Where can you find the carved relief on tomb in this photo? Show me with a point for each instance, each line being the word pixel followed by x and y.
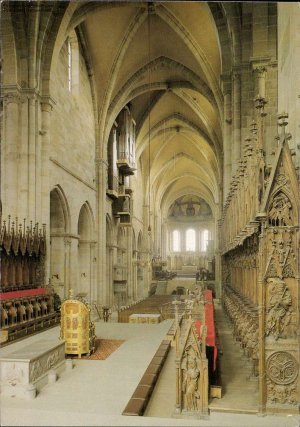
pixel 52 360
pixel 36 370
pixel 279 308
pixel 282 372
pixel 48 361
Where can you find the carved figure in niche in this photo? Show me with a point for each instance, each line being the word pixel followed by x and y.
pixel 12 313
pixel 29 310
pixel 4 316
pixel 37 309
pixel 279 213
pixel 21 310
pixel 279 307
pixel 190 381
pixel 44 307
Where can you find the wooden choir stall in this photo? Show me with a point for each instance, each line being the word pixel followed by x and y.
pixel 27 304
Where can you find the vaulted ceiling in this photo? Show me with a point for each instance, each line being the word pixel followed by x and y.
pixel 165 60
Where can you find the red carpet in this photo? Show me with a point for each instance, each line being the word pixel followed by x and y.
pixel 104 348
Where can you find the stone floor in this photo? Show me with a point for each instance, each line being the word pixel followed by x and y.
pixel 95 392
pixel 235 372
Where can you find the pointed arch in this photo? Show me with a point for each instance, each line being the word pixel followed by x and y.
pixel 85 226
pixel 59 210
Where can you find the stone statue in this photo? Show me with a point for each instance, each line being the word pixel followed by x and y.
pixel 279 307
pixel 190 382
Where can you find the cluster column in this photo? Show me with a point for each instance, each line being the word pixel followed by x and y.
pixel 102 292
pixel 236 120
pixel 9 154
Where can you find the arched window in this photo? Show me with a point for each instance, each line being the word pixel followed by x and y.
pixel 190 240
pixel 176 241
pixel 204 240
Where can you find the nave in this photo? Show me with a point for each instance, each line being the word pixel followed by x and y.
pixel 145 145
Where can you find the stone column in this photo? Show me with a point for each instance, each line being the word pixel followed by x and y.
pixel 236 152
pixel 130 290
pixel 134 275
pixel 163 240
pixel 101 294
pixel 261 326
pixel 9 155
pixel 33 160
pixel 110 284
pixel 92 272
pixel 146 249
pixel 266 133
pixel 67 267
pixel 46 108
pixel 227 125
pixel 74 265
pixel 115 274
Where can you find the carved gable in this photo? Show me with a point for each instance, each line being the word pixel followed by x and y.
pixel 281 199
pixel 193 373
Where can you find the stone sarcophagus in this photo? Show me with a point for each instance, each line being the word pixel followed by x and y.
pixel 26 368
pixel 76 328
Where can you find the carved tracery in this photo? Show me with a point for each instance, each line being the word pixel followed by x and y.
pixel 280 210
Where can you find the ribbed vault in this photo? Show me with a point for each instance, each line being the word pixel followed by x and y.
pixel 165 60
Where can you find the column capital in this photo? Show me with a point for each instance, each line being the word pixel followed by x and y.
pixel 47 103
pixel 259 70
pixel 259 62
pixel 12 97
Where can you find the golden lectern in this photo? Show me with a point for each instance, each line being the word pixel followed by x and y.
pixel 76 328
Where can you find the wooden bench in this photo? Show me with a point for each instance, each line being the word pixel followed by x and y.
pixel 140 398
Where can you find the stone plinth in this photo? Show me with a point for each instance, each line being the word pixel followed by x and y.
pixel 28 367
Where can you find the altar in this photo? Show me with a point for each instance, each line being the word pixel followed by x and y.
pixel 189 268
